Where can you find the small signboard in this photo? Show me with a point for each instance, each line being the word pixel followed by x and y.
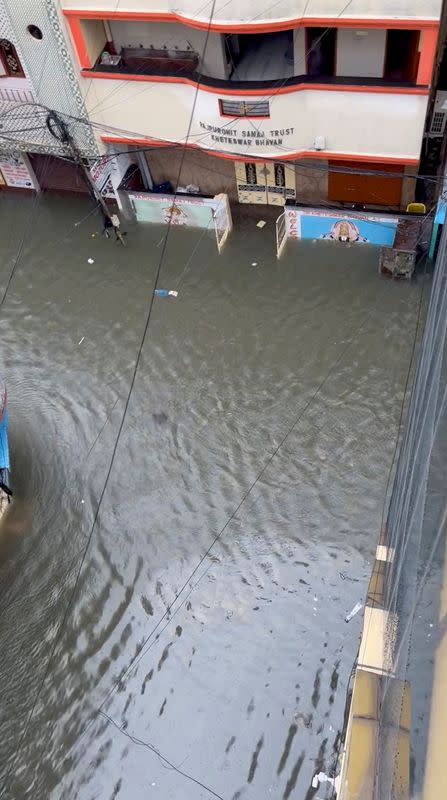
pixel 17 171
pixel 108 171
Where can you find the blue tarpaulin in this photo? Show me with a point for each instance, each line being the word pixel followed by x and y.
pixel 440 212
pixel 439 220
pixel 4 450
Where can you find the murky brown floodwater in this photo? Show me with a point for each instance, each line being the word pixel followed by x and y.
pixel 242 685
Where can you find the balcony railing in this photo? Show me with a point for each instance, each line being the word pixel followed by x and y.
pixel 149 61
pixel 177 64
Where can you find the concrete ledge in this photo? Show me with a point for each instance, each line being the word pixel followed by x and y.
pixel 373 742
pixel 361 760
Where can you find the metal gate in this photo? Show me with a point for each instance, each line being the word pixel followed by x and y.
pixel 281 234
pixel 223 223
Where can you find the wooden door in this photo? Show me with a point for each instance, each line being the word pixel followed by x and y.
pixel 361 189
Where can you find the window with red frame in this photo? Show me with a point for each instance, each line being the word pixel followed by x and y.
pixel 232 108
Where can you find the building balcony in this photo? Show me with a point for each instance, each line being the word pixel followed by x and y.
pixel 173 69
pixel 369 56
pixel 150 61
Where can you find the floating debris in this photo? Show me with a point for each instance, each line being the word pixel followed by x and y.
pixel 354 611
pixel 321 777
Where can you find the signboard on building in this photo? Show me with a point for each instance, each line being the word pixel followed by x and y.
pixel 17 171
pixel 254 137
pixel 304 223
pixel 101 171
pixel 108 172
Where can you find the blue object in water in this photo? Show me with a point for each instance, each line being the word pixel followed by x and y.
pixel 4 450
pixel 161 293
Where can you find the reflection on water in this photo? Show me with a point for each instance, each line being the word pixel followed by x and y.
pixel 241 664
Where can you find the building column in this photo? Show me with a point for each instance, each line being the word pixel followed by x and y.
pixel 427 55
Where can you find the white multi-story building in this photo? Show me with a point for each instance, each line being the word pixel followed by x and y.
pixel 37 73
pixel 269 97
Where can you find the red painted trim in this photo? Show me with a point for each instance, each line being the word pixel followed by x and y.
pixel 77 37
pixel 287 157
pixel 299 87
pixel 247 27
pixel 244 116
pixel 427 55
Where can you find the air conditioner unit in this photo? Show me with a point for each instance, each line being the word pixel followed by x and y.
pixel 439 116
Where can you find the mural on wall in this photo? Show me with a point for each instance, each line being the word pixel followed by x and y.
pixel 211 213
pixel 175 215
pixel 362 228
pixel 344 230
pixel 193 212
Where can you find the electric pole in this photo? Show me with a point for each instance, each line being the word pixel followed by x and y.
pixel 60 130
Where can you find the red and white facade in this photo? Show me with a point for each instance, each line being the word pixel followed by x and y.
pixel 300 81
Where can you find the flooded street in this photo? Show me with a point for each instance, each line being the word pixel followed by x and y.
pixel 205 653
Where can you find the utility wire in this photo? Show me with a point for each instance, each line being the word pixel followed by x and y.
pixel 402 408
pixel 45 170
pixel 281 82
pixel 146 89
pixel 169 613
pixel 250 156
pixel 26 230
pixel 62 623
pixel 412 424
pixel 238 120
pixel 141 69
pixel 168 145
pixel 162 758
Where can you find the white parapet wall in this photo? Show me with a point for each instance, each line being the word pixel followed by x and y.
pixel 184 210
pixel 339 226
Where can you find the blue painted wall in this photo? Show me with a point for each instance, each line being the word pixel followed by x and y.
pixel 378 232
